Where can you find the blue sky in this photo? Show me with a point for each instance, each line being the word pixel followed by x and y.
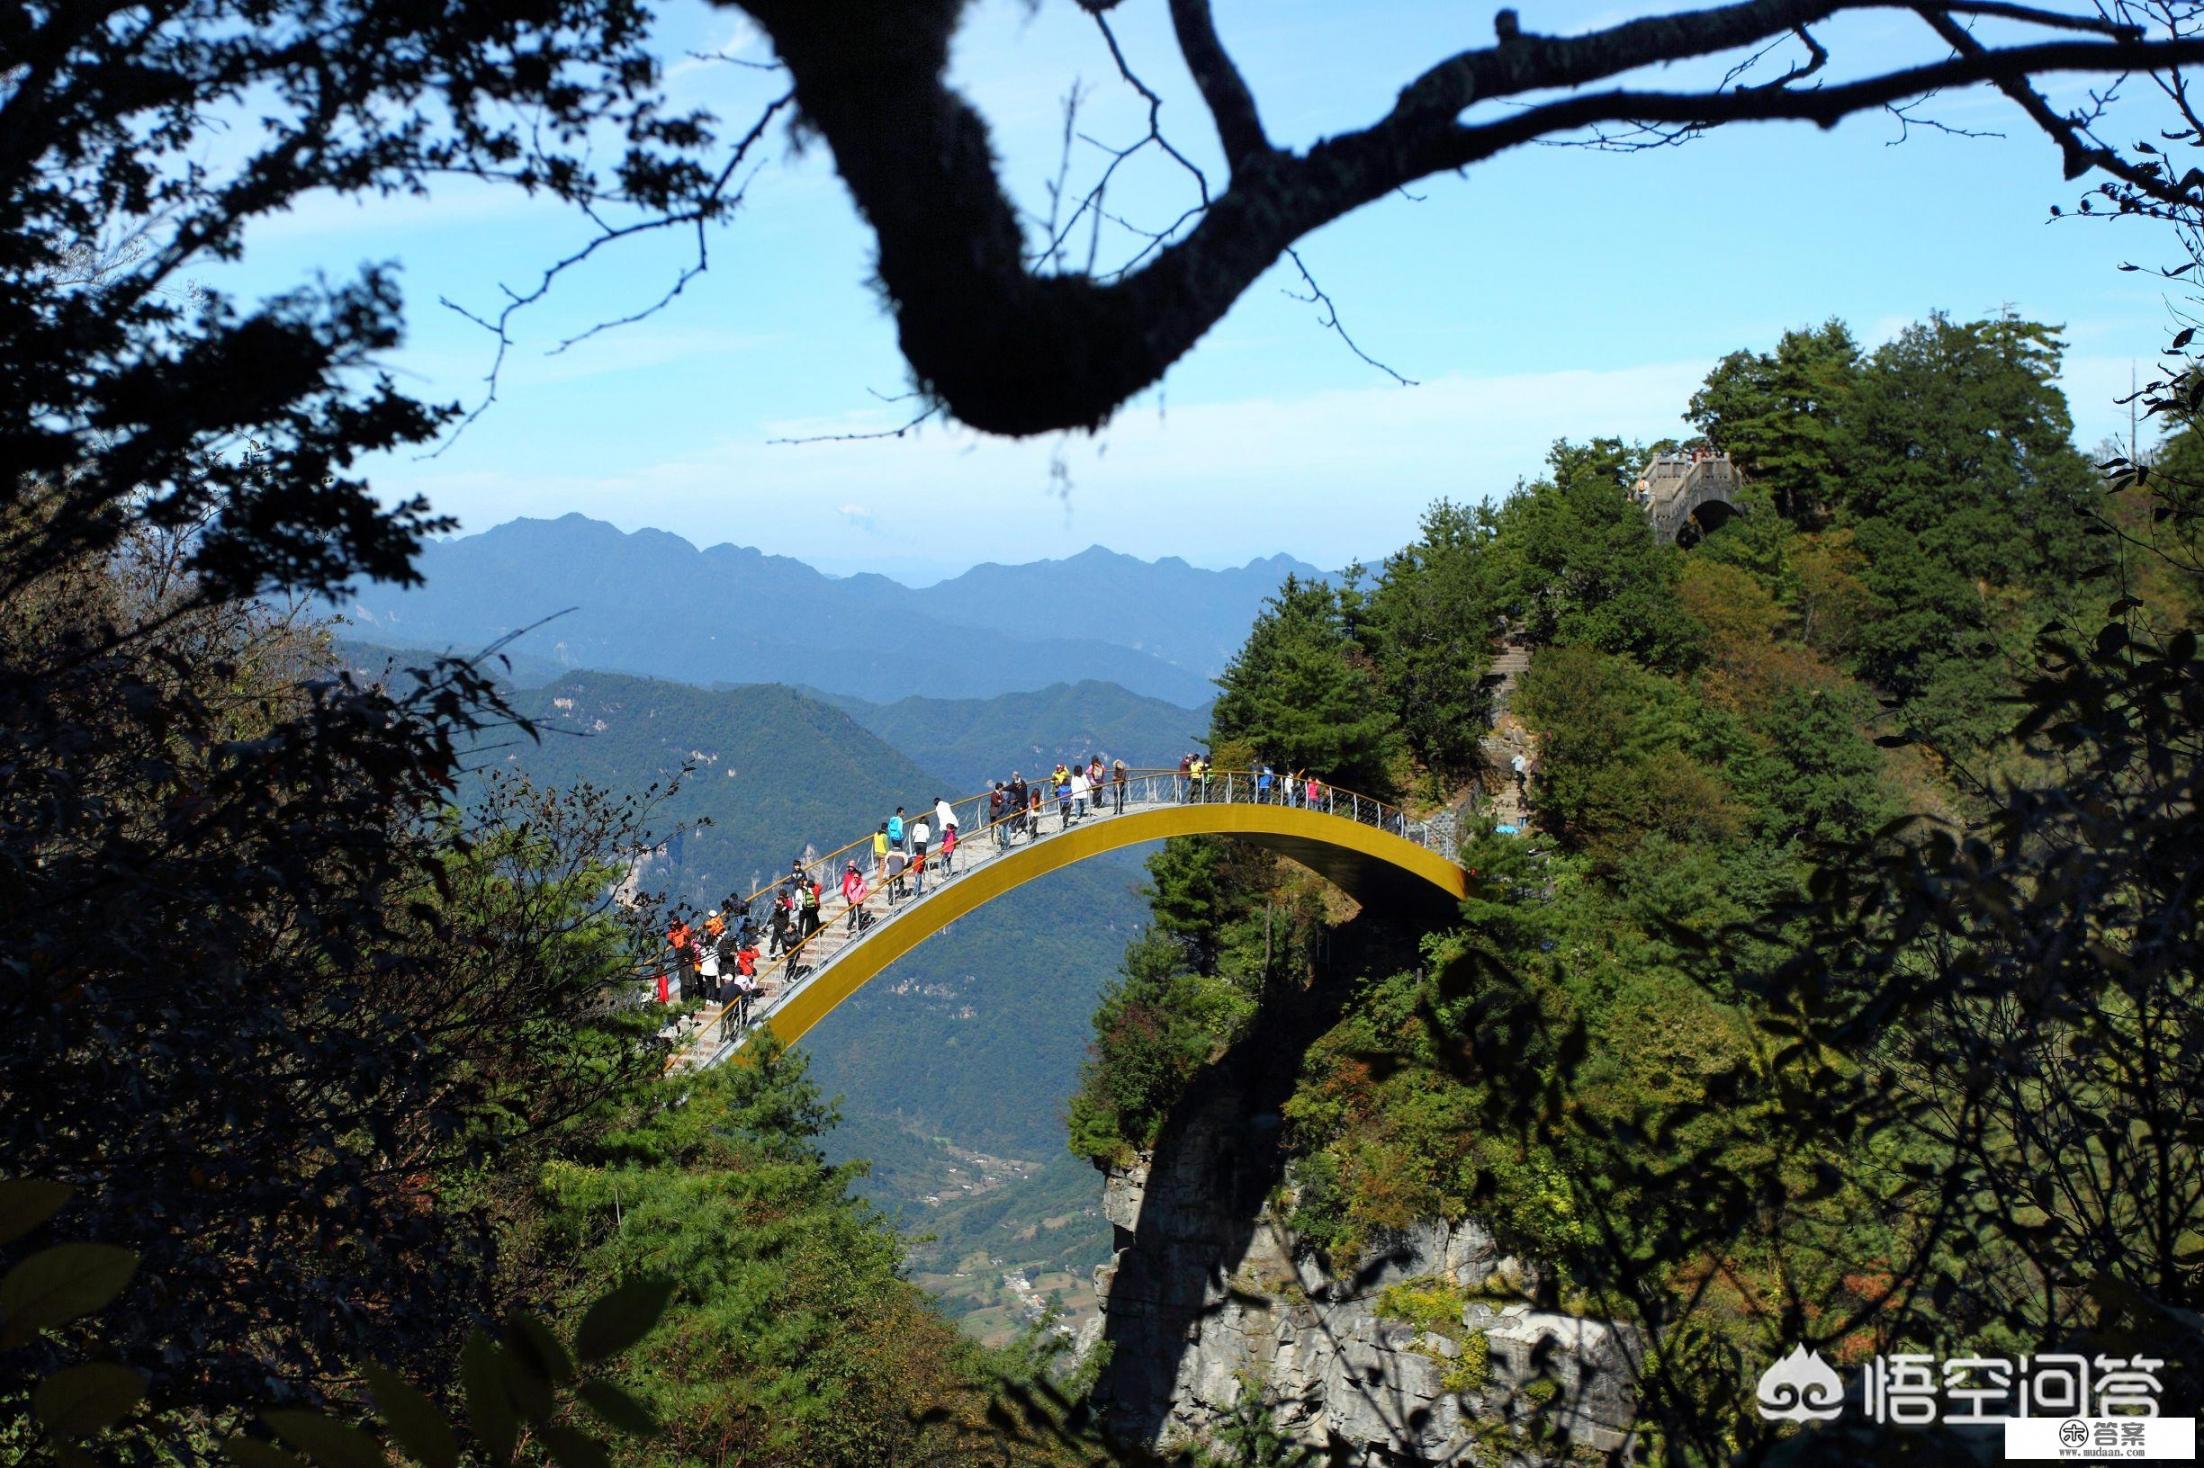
pixel 1553 291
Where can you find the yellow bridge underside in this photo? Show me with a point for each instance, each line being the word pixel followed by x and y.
pixel 1372 866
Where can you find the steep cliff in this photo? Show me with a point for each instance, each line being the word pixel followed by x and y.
pixel 1428 1352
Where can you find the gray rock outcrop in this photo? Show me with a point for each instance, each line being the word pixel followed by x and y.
pixel 1201 1309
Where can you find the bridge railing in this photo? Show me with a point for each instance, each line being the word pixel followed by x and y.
pixel 977 827
pixel 1144 787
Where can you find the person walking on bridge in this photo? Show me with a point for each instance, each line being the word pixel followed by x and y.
pixel 1117 784
pixel 921 836
pixel 746 981
pixel 896 833
pixel 854 893
pixel 707 972
pixel 997 802
pixel 880 853
pixel 809 892
pixel 1186 776
pixel 945 825
pixel 1033 813
pixel 1199 778
pixel 1016 801
pixel 1078 792
pixel 679 939
pixel 727 947
pixel 948 853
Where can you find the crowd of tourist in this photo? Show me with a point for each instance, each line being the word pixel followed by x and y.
pixel 718 960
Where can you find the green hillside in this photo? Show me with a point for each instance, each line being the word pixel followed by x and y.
pixel 774 772
pixel 975 1222
pixel 979 1033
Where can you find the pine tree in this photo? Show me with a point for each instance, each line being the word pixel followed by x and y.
pixel 1302 695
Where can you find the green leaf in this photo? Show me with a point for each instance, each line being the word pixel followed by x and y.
pixel 248 1452
pixel 55 1286
pixel 326 1441
pixel 78 1401
pixel 488 1407
pixel 532 1342
pixel 571 1449
pixel 529 1393
pixel 624 1316
pixel 617 1409
pixel 25 1203
pixel 412 1418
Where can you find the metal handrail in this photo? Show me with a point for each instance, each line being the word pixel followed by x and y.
pixel 1146 788
pixel 820 868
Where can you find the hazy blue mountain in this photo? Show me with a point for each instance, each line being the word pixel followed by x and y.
pixel 974 740
pixel 512 668
pixel 651 603
pixel 1187 616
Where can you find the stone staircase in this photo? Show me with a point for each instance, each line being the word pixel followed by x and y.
pixel 1505 740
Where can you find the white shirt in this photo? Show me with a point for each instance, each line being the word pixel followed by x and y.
pixel 708 965
pixel 944 817
pixel 919 834
pixel 1079 785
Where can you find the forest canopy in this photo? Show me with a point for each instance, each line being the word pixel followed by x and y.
pixel 1764 1031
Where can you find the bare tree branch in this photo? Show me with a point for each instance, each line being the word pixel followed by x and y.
pixel 1239 126
pixel 699 215
pixel 930 411
pixel 1331 322
pixel 995 330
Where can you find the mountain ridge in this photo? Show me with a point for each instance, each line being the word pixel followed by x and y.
pixel 583 593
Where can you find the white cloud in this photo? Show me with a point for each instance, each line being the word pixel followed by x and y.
pixel 458 369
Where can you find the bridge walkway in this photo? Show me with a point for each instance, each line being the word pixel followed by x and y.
pixel 1362 844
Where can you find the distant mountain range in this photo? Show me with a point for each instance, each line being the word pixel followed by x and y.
pixel 649 602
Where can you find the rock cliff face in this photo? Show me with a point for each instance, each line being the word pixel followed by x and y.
pixel 1424 1355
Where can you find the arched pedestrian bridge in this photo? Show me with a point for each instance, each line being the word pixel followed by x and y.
pixel 1373 851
